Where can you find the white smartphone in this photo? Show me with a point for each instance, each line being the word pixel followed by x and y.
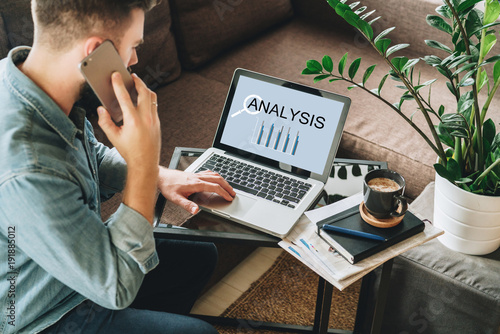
pixel 97 69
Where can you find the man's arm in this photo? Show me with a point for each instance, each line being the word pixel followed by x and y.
pixel 61 234
pixel 138 141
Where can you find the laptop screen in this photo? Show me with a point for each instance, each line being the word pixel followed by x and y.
pixel 285 124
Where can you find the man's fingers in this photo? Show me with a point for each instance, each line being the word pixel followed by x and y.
pixel 186 204
pixel 206 186
pixel 213 177
pixel 106 123
pixel 122 94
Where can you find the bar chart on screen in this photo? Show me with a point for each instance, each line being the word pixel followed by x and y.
pixel 276 137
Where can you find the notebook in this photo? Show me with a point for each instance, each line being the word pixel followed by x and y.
pixel 355 248
pixel 275 144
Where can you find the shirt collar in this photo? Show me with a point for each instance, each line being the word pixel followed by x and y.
pixel 35 97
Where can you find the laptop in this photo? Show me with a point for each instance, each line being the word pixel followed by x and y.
pixel 275 144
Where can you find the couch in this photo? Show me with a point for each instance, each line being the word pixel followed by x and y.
pixel 192 48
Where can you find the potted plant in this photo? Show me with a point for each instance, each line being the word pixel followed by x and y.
pixel 467 145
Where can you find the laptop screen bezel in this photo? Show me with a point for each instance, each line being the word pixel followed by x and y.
pixel 238 73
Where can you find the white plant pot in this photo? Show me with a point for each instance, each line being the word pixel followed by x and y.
pixel 471 222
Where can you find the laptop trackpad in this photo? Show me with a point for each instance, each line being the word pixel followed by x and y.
pixel 240 205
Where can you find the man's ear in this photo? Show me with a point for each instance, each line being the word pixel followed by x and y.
pixel 91 44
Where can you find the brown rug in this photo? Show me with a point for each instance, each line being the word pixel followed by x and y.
pixel 286 293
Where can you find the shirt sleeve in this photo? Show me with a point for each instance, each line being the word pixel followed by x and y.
pixel 103 262
pixel 111 166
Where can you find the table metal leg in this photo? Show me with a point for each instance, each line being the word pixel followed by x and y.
pixel 369 317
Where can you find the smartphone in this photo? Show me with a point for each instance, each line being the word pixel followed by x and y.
pixel 97 69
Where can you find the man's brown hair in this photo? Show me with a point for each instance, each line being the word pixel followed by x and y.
pixel 62 22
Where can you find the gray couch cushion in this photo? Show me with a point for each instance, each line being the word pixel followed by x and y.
pixel 436 290
pixel 205 28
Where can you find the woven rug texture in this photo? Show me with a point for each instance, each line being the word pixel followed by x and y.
pixel 286 293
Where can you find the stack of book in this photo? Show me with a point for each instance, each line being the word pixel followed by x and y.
pixel 355 239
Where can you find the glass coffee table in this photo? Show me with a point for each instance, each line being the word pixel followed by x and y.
pixel 346 179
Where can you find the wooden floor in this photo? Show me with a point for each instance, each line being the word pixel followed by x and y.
pixel 230 288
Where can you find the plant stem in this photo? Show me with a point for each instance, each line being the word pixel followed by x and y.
pixel 409 121
pixel 476 109
pixel 437 146
pixel 488 100
pixel 487 170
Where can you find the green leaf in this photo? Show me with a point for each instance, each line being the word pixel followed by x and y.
pixel 457 61
pixel 439 23
pixel 445 11
pixel 352 18
pixel 488 42
pixel 381 84
pixel 375 19
pixel 307 71
pixel 496 71
pixel 427 83
pixel 466 5
pixel 473 23
pixel 314 65
pixel 491 60
pixel 399 62
pixel 492 12
pixel 450 88
pixel 383 44
pixel 438 45
pixel 396 48
pixel 354 68
pixel 466 82
pixel 453 169
pixel 489 130
pixel 443 172
pixel 321 77
pixel 444 136
pixel 464 104
pixel 342 62
pixel 328 64
pixel 484 27
pixel 365 15
pixel 367 74
pixel 360 10
pixel 483 80
pixel 366 29
pixel 410 64
pixel 383 34
pixel 354 5
pixel 464 68
pixel 341 9
pixel 441 111
pixel 335 79
pixel 432 60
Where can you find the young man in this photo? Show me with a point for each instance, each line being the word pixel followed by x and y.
pixel 66 271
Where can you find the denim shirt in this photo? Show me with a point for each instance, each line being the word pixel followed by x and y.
pixel 55 251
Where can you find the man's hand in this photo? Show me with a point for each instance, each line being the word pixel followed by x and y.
pixel 177 186
pixel 138 141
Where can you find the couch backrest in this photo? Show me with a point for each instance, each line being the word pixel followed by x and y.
pixel 204 29
pixel 158 62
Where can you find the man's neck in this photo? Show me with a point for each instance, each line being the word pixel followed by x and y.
pixel 55 75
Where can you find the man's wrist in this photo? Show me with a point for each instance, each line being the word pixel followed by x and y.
pixel 140 190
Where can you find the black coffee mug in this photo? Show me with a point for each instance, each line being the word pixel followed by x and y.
pixel 384 202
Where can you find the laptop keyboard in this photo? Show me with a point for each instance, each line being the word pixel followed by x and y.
pixel 258 181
